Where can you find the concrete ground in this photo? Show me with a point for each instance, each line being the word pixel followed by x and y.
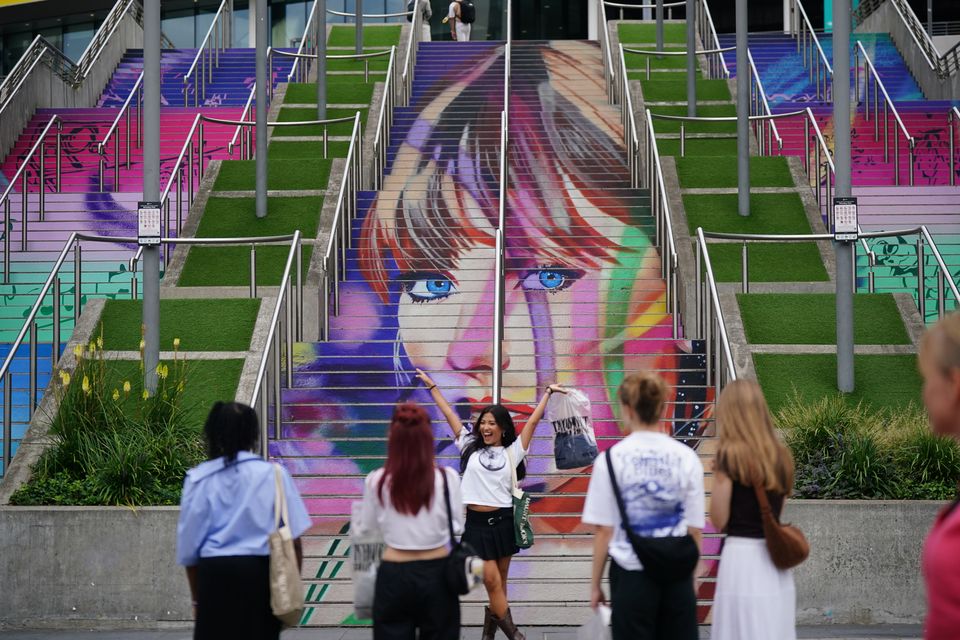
pixel 823 632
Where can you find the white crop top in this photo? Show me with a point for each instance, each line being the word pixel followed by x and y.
pixel 426 530
pixel 487 480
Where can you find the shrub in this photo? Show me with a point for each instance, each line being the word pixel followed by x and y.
pixel 115 444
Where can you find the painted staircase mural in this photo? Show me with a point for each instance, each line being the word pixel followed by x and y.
pixel 584 305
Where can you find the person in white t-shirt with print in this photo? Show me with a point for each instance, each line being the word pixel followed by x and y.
pixel 487 489
pixel 458 29
pixel 661 481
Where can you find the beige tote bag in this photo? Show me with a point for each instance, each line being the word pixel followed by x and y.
pixel 286 588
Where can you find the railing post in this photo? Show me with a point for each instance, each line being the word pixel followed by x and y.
pixel 7 420
pixel 921 281
pixel 43 179
pixel 910 159
pixel 872 274
pixel 277 391
pixel 116 161
pixel 200 152
pixel 745 269
pixel 699 291
pixel 683 139
pixel 55 338
pixel 77 284
pixel 953 174
pixel 941 297
pixel 896 158
pixel 24 200
pixel 7 230
pixel 32 382
pixel 299 267
pixel 253 270
pixel 59 151
pixel 288 333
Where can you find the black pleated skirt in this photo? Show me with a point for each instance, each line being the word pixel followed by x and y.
pixel 490 533
pixel 233 599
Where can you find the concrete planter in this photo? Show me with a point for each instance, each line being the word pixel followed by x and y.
pixel 115 567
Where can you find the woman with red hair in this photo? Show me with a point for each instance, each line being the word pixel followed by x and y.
pixel 405 500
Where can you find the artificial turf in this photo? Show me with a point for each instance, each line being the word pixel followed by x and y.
pixel 708 172
pixel 282 174
pixel 703 111
pixel 675 90
pixel 810 318
pixel 306 114
pixel 373 36
pixel 236 217
pixel 770 213
pixel 296 149
pixel 769 262
pixel 207 382
pixel 882 381
pixel 200 324
pixel 340 90
pixel 672 32
pixel 230 266
pixel 700 147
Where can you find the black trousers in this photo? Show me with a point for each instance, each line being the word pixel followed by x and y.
pixel 645 610
pixel 233 599
pixel 412 596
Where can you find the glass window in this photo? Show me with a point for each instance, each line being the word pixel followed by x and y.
pixel 179 27
pixel 76 37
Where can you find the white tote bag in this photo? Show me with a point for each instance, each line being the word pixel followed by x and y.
pixel 286 588
pixel 366 548
pixel 598 627
pixel 575 443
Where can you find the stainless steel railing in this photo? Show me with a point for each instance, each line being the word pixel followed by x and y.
pixel 714 58
pixel 107 28
pixel 624 7
pixel 381 140
pixel 889 108
pixel 500 248
pixel 22 176
pixel 628 119
pixel 405 85
pixel 307 43
pixel 814 58
pixel 399 14
pixel 953 118
pixel 53 285
pixel 250 126
pixel 335 256
pixel 609 70
pixel 758 121
pixel 303 71
pixel 707 33
pixel 208 55
pixel 710 324
pixel 113 132
pixel 39 51
pixel 765 130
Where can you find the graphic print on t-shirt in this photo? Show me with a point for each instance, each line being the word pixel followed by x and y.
pixel 652 492
pixel 492 458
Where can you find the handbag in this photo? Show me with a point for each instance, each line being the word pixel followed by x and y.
pixel 365 553
pixel 667 559
pixel 575 442
pixel 462 569
pixel 522 529
pixel 286 588
pixel 787 545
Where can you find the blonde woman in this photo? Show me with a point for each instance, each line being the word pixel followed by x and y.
pixel 754 599
pixel 940 367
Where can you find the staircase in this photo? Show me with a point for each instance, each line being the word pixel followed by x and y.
pixel 584 305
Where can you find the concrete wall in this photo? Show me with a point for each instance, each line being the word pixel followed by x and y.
pixel 103 566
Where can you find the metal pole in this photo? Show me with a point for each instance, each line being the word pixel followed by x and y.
pixel 253 271
pixel 151 190
pixel 691 59
pixel 659 25
pixel 77 280
pixel 359 27
pixel 32 382
pixel 930 18
pixel 842 188
pixel 921 281
pixel 745 268
pixel 43 178
pixel 261 98
pixel 321 13
pixel 6 241
pixel 7 420
pixel 743 111
pixel 55 346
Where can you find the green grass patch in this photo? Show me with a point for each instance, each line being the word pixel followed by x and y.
pixel 703 111
pixel 296 150
pixel 810 318
pixel 699 146
pixel 667 73
pixel 230 266
pixel 201 324
pixel 340 90
pixel 769 262
pixel 304 114
pixel 375 63
pixel 231 217
pixel 709 172
pixel 771 213
pixel 284 174
pixel 881 381
pixel 373 36
pixel 675 90
pixel 672 32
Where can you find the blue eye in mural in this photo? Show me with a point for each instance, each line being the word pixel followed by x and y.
pixel 428 287
pixel 551 279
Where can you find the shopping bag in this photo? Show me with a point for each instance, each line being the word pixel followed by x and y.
pixel 598 627
pixel 366 548
pixel 575 443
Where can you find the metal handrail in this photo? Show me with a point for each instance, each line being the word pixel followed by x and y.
pixel 313 56
pixel 381 140
pixel 822 159
pixel 401 14
pixel 29 327
pixel 920 36
pixel 499 283
pixel 610 73
pixel 107 28
pixel 821 72
pixel 628 119
pixel 38 51
pixel 335 256
pixel 239 132
pixel 668 6
pixel 123 112
pixel 214 41
pixel 759 119
pixel 704 52
pixel 177 177
pixel 305 42
pixel 21 175
pixel 888 106
pixel 953 117
pixel 410 57
pixel 711 327
pixel 708 33
pixel 762 106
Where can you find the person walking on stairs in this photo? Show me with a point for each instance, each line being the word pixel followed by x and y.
pixel 652 484
pixel 226 518
pixel 408 501
pixel 486 453
pixel 754 599
pixel 460 15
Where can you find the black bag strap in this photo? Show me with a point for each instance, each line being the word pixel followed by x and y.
pixel 446 501
pixel 631 535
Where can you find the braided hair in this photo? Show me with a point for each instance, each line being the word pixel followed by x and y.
pixel 231 427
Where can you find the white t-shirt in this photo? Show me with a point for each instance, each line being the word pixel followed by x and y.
pixel 661 481
pixel 487 480
pixel 427 529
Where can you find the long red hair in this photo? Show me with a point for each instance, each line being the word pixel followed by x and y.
pixel 410 463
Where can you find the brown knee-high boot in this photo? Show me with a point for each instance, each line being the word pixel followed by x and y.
pixel 506 625
pixel 489 626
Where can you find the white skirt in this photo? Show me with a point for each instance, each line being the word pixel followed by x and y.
pixel 754 600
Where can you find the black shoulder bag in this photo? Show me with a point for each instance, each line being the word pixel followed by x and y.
pixel 668 559
pixel 457 569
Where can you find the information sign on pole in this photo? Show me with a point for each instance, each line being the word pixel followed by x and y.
pixel 845 224
pixel 148 223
